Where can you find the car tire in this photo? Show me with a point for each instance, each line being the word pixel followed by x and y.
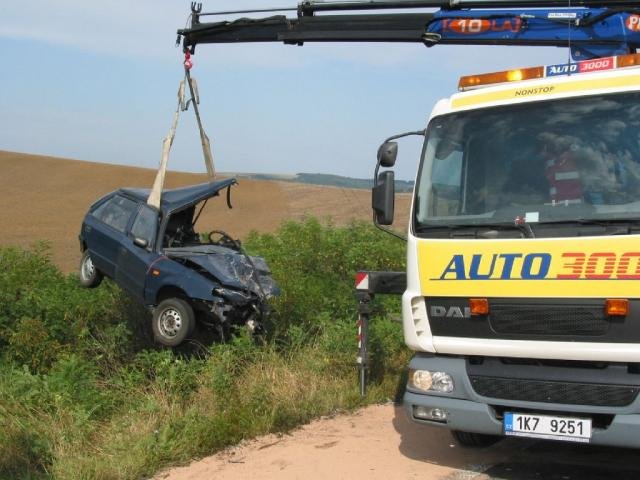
pixel 474 440
pixel 173 320
pixel 90 276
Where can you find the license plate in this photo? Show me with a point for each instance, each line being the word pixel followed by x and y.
pixel 546 426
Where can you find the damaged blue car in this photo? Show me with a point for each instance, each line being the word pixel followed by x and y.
pixel 185 278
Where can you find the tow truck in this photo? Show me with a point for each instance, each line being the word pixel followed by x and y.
pixel 521 297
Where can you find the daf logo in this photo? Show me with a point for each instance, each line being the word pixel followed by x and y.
pixel 451 312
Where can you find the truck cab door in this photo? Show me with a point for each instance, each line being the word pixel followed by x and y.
pixel 137 252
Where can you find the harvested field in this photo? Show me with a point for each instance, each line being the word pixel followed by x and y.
pixel 45 198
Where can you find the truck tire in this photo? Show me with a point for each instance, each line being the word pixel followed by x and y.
pixel 173 320
pixel 474 440
pixel 90 276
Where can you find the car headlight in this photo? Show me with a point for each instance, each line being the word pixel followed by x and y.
pixel 428 381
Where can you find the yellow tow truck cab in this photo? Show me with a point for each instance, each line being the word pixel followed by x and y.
pixel 523 257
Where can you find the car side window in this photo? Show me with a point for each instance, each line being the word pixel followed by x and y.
pixel 116 212
pixel 145 224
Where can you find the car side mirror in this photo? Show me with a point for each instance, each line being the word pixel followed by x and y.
pixel 382 198
pixel 387 154
pixel 140 242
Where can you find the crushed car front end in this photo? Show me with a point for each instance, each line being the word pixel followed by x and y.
pixel 237 285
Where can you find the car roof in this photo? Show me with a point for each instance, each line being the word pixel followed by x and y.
pixel 179 198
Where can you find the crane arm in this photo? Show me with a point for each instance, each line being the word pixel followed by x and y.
pixel 401 27
pixel 590 28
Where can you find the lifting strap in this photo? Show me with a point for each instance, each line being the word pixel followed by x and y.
pixel 204 139
pixel 158 184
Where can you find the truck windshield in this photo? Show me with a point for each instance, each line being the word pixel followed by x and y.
pixel 561 161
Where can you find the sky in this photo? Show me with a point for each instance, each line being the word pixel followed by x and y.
pixel 97 81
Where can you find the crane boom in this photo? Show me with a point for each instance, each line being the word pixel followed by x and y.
pixel 590 28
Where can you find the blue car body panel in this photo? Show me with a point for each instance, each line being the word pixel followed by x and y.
pixel 175 275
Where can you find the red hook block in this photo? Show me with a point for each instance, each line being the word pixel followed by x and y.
pixel 187 61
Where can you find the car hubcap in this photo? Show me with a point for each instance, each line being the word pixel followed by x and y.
pixel 170 322
pixel 87 268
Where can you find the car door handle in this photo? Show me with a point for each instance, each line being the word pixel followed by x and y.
pixel 123 251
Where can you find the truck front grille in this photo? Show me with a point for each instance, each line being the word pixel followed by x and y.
pixel 554 392
pixel 548 320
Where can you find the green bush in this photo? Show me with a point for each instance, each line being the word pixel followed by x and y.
pixel 315 265
pixel 84 394
pixel 45 316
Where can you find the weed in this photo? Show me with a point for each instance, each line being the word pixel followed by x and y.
pixel 85 396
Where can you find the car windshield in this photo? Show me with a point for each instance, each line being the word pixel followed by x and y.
pixel 572 160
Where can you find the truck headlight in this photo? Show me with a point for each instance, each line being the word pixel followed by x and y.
pixel 428 381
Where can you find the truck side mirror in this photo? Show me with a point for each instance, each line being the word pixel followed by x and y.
pixel 382 198
pixel 387 154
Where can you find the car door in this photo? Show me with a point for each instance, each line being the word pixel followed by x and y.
pixel 105 230
pixel 137 251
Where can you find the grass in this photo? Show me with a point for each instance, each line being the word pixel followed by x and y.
pixel 86 395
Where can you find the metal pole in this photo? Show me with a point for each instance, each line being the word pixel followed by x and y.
pixel 310 7
pixel 261 10
pixel 364 311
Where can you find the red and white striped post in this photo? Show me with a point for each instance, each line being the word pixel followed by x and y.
pixel 364 298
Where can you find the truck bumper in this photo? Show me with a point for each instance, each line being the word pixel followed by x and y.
pixel 469 412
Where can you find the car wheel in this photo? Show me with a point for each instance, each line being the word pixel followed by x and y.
pixel 90 276
pixel 173 321
pixel 475 440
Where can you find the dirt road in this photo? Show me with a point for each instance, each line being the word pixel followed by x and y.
pixel 379 442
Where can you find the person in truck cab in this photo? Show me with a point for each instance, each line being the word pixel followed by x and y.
pixel 561 156
pixel 597 167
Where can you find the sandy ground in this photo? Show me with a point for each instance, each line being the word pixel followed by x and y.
pixel 379 442
pixel 45 198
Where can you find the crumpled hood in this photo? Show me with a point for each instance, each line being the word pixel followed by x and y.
pixel 231 268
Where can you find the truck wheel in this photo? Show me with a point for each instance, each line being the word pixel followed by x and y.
pixel 173 320
pixel 475 440
pixel 90 276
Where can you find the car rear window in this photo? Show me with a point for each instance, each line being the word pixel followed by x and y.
pixel 116 212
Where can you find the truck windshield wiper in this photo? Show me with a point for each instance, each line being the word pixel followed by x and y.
pixel 616 226
pixel 479 230
pixel 525 228
pixel 592 221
